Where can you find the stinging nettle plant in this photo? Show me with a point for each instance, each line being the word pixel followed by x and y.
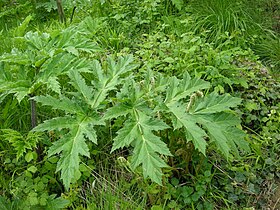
pixel 146 106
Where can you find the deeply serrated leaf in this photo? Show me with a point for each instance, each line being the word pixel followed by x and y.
pixel 57 124
pixel 19 142
pixel 122 66
pixel 179 89
pixel 126 136
pixel 193 132
pixel 54 85
pixel 216 134
pixel 237 136
pixel 147 146
pixel 151 163
pixel 71 149
pixel 214 103
pixel 224 133
pixel 154 124
pixel 145 153
pixel 109 81
pixel 72 146
pixel 63 103
pixel 117 111
pixel 80 84
pixel 90 133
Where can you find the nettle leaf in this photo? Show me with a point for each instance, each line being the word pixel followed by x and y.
pixel 214 103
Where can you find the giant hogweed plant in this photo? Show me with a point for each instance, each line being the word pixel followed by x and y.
pixel 41 58
pixel 39 61
pixel 146 106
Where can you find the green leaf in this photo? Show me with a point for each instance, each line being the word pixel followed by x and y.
pixel 217 134
pixel 214 103
pixel 193 132
pixel 224 133
pixel 79 83
pixel 179 89
pixel 72 146
pixel 145 152
pixel 57 124
pixel 56 203
pixel 147 146
pixel 54 85
pixel 28 157
pixel 63 103
pixel 20 30
pixel 72 50
pixel 89 131
pixel 122 66
pixel 108 82
pixel 178 4
pixel 32 169
pixel 117 111
pixel 126 135
pixel 19 142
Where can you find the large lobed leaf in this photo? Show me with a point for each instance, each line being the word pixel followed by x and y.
pixel 204 117
pixel 82 115
pixel 214 103
pixel 72 145
pixel 147 146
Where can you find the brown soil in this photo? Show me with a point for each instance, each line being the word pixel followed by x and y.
pixel 276 198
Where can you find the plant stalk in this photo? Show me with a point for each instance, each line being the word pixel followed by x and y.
pixel 60 11
pixel 39 149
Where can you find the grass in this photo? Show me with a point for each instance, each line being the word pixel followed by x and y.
pixel 269 50
pixel 220 16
